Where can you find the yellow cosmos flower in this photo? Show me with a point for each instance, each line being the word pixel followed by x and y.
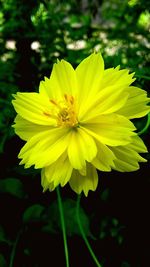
pixel 79 122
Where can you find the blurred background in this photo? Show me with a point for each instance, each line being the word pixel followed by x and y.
pixel 33 34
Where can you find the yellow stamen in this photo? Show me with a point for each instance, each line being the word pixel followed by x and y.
pixel 53 102
pixel 64 112
pixel 47 114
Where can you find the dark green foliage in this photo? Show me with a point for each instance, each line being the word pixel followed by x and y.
pixel 33 213
pixel 69 208
pixel 111 228
pixel 12 186
pixel 2 261
pixel 33 34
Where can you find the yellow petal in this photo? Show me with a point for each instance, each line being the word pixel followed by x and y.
pixel 80 183
pixel 136 105
pixel 104 159
pixel 138 145
pixel 45 88
pixel 44 148
pixel 89 75
pixel 111 129
pixel 44 182
pixel 126 158
pixel 112 96
pixel 62 81
pixel 125 166
pixel 87 145
pixel 81 148
pixel 117 77
pixel 107 101
pixel 31 107
pixel 74 151
pixel 59 172
pixel 83 171
pixel 26 129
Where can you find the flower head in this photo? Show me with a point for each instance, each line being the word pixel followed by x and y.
pixel 79 122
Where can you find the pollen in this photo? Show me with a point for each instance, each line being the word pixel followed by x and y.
pixel 64 111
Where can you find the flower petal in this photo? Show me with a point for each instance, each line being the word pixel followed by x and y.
pixel 58 173
pixel 126 159
pixel 112 129
pixel 104 160
pixel 87 144
pixel 44 182
pixel 138 145
pixel 62 81
pixel 76 158
pixel 89 75
pixel 44 148
pixel 135 106
pixel 45 88
pixel 80 183
pixel 117 77
pixel 26 129
pixel 81 148
pixel 107 101
pixel 31 107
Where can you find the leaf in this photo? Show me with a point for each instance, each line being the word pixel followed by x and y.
pixel 49 228
pixel 34 213
pixel 2 261
pixel 69 209
pixel 105 194
pixel 12 186
pixel 3 237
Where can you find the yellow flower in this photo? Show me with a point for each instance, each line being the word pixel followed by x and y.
pixel 79 122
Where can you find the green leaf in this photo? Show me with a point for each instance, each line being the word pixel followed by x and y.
pixel 49 228
pixel 34 213
pixel 69 209
pixel 2 261
pixel 115 222
pixel 3 237
pixel 12 186
pixel 105 194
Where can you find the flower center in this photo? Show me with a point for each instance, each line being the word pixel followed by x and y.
pixel 64 112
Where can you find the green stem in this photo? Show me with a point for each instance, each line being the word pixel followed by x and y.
pixel 143 76
pixel 13 252
pixel 146 126
pixel 83 234
pixel 63 225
